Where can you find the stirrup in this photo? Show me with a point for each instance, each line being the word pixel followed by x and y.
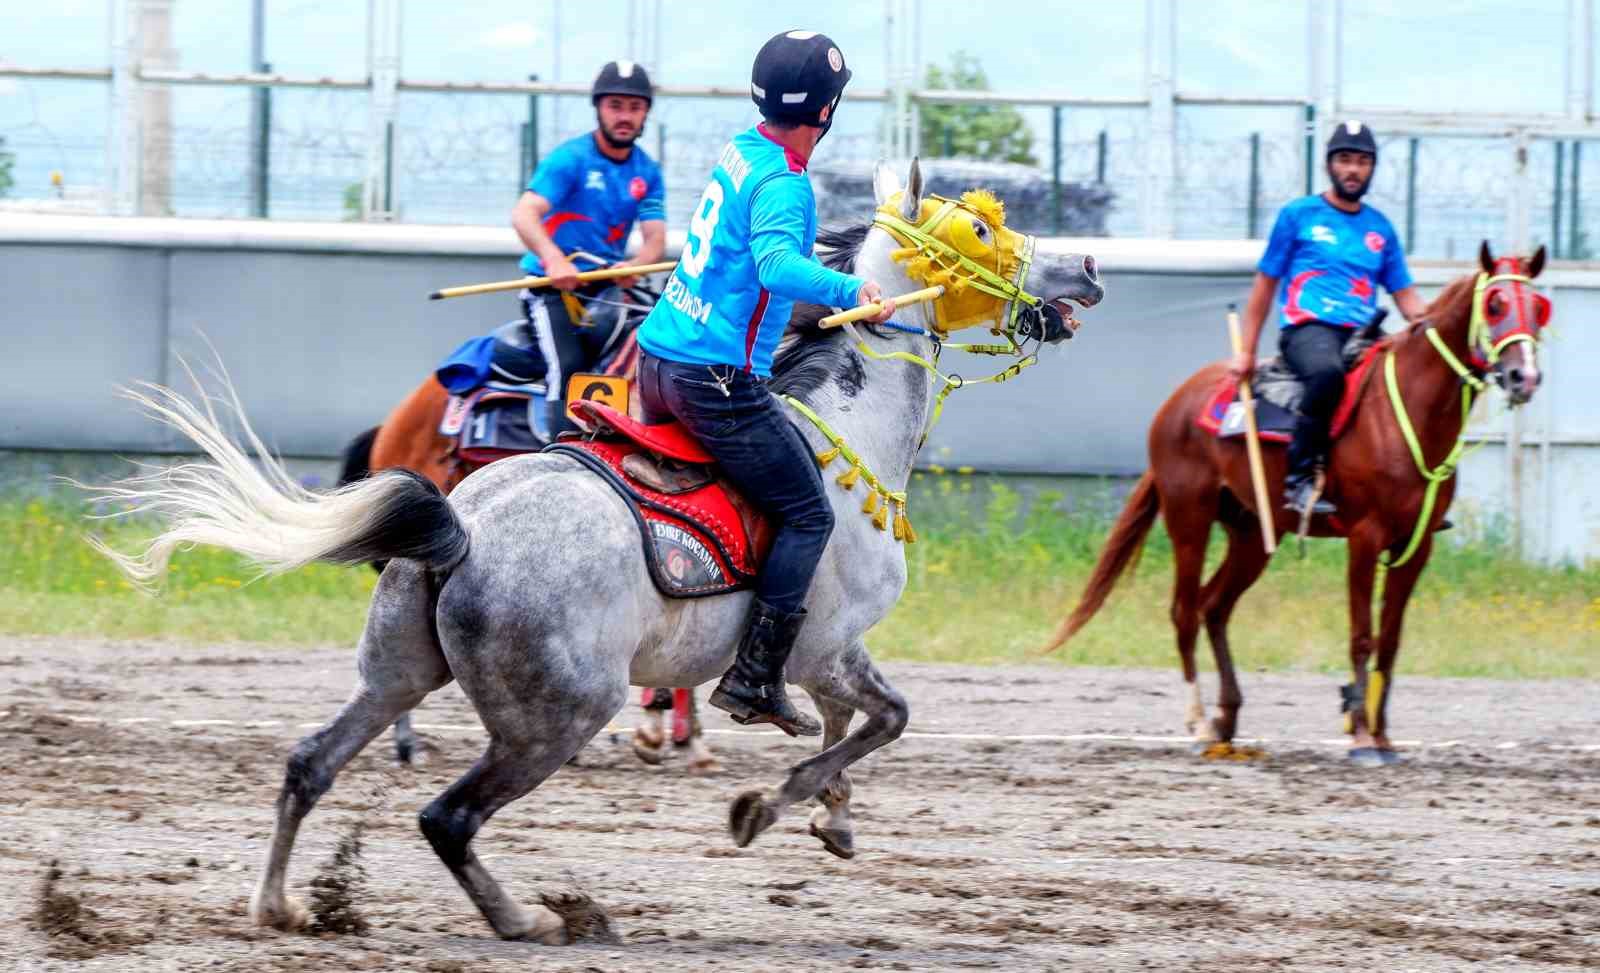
pixel 797 724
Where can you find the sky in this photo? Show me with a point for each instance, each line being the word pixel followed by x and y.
pixel 1500 56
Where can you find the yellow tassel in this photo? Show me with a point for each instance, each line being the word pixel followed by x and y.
pixel 872 503
pixel 900 526
pixel 911 535
pixel 848 478
pixel 826 457
pixel 880 519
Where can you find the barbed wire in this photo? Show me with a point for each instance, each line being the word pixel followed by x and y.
pixel 459 159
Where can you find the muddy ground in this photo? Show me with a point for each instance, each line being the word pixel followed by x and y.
pixel 1481 852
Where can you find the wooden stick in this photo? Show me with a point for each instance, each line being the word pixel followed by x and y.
pixel 868 310
pixel 1252 444
pixel 606 273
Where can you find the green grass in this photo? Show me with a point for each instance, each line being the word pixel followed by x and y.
pixel 990 577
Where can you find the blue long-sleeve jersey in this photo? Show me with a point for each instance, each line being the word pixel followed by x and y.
pixel 747 259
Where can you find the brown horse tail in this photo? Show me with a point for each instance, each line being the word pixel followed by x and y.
pixel 1121 550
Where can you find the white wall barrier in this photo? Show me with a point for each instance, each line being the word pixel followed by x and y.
pixel 325 327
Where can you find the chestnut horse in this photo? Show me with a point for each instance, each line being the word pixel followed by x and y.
pixel 1482 324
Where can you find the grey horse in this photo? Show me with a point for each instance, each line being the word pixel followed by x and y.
pixel 528 587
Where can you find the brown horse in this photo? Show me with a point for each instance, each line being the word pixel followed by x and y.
pixel 1489 324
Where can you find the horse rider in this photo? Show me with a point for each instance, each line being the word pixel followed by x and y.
pixel 707 348
pixel 586 196
pixel 1325 259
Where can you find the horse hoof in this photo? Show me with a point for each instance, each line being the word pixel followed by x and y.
pixel 1370 757
pixel 1391 757
pixel 582 918
pixel 646 750
pixel 749 816
pixel 839 843
pixel 291 915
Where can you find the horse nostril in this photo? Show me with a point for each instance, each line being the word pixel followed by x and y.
pixel 1091 269
pixel 1515 376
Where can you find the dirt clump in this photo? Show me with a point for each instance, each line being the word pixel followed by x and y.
pixel 337 886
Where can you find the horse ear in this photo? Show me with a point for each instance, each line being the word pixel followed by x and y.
pixel 1536 264
pixel 912 200
pixel 1485 258
pixel 885 182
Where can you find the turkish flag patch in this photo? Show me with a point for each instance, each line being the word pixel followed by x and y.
pixel 1375 241
pixel 637 189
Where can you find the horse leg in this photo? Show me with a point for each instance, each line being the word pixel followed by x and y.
pixel 1398 584
pixel 830 822
pixel 649 737
pixel 1189 538
pixel 400 663
pixel 702 761
pixel 408 747
pixel 852 680
pixel 1361 575
pixel 1240 568
pixel 539 711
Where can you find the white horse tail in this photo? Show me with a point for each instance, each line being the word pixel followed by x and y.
pixel 258 510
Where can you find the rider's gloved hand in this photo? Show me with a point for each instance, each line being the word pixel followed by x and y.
pixel 563 274
pixel 871 293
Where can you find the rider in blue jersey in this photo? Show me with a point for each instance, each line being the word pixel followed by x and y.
pixel 1325 259
pixel 708 345
pixel 585 196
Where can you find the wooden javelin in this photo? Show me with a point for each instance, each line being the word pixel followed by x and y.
pixel 607 273
pixel 1252 443
pixel 868 310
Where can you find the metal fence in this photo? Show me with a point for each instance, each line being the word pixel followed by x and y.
pixel 390 147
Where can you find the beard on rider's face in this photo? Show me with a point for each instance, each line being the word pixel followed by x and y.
pixel 619 135
pixel 1348 185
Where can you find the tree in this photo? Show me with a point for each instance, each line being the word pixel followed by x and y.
pixel 7 159
pixel 994 132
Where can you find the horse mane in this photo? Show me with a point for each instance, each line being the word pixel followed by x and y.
pixel 1447 305
pixel 809 356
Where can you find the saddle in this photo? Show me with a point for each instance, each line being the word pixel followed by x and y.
pixel 496 420
pixel 700 535
pixel 1278 394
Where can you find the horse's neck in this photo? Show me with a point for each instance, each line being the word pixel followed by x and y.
pixel 1430 388
pixel 881 419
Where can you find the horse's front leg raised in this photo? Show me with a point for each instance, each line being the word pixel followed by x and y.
pixel 852 681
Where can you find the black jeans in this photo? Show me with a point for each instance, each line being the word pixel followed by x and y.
pixel 759 451
pixel 565 348
pixel 1315 353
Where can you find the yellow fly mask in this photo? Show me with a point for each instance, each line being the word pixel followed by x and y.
pixel 966 247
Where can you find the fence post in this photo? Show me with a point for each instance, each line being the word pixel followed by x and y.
pixel 1555 203
pixel 1411 196
pixel 262 164
pixel 259 126
pixel 1100 159
pixel 1254 205
pixel 1575 248
pixel 1055 169
pixel 530 139
pixel 1161 148
pixel 383 67
pixel 1311 149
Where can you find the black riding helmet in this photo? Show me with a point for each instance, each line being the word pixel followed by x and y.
pixel 622 78
pixel 1352 137
pixel 797 74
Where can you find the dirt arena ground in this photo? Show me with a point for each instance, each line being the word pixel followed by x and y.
pixel 1034 818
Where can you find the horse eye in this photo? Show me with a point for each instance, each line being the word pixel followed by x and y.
pixel 1495 307
pixel 981 231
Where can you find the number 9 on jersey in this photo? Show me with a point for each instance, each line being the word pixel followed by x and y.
pixel 697 246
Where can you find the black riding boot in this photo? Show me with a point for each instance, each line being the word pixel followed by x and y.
pixel 1309 437
pixel 752 691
